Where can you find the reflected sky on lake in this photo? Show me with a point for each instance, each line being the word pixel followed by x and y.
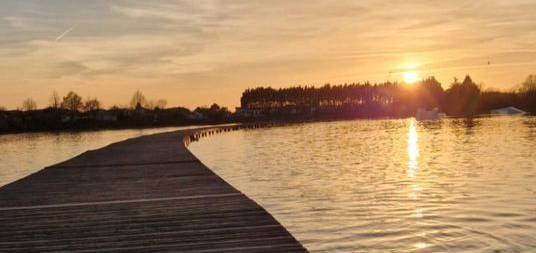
pixel 27 153
pixel 413 150
pixel 463 186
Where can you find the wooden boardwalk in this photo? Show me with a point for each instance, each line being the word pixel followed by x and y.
pixel 148 194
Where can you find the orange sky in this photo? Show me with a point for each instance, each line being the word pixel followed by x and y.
pixel 195 52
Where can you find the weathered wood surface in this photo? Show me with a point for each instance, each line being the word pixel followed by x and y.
pixel 148 194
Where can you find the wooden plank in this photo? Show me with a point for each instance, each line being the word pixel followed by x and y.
pixel 148 194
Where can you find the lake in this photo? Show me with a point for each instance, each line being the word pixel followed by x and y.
pixel 359 185
pixel 390 185
pixel 27 153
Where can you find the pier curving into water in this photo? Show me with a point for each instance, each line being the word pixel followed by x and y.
pixel 147 194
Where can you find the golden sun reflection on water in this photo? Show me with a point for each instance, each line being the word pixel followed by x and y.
pixel 390 185
pixel 412 173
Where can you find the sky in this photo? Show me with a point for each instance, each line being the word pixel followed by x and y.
pixel 197 52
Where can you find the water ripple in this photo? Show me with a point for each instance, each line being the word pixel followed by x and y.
pixel 390 185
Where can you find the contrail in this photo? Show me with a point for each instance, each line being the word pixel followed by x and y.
pixel 65 33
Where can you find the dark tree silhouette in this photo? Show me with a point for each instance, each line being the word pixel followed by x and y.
pixel 72 102
pixel 528 93
pixel 29 105
pixel 387 99
pixel 55 101
pixel 358 99
pixel 431 94
pixel 138 99
pixel 91 104
pixel 215 113
pixel 463 98
pixel 161 104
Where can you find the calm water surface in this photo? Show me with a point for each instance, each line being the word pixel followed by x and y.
pixel 390 185
pixel 24 154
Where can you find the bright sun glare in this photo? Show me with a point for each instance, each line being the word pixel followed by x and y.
pixel 411 76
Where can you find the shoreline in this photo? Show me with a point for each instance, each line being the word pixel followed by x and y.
pixel 96 129
pixel 262 121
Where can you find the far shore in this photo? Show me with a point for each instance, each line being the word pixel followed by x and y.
pixel 203 125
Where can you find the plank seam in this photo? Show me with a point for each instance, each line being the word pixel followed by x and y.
pixel 233 249
pixel 123 164
pixel 236 229
pixel 119 202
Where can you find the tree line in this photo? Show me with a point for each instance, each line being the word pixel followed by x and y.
pixel 389 99
pixel 73 112
pixel 74 102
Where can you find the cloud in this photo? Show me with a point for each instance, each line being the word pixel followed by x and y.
pixel 67 68
pixel 512 58
pixel 206 41
pixel 426 24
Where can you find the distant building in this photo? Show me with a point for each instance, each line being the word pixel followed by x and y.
pixel 434 114
pixel 508 111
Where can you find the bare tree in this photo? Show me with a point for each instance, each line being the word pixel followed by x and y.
pixel 72 102
pixel 29 105
pixel 55 100
pixel 138 99
pixel 91 104
pixel 161 104
pixel 530 84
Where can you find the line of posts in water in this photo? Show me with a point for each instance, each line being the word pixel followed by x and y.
pixel 198 134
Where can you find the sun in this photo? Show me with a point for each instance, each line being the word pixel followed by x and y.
pixel 410 76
